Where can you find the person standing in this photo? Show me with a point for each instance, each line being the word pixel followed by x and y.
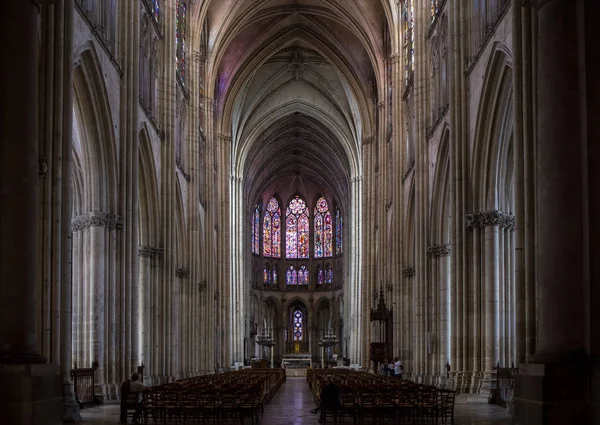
pixel 398 368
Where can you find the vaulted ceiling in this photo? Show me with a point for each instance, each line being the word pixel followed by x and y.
pixel 296 88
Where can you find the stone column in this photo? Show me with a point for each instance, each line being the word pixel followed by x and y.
pixel 23 367
pixel 553 387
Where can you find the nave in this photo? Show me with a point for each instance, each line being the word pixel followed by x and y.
pixel 292 405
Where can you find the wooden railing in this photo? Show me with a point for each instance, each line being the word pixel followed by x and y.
pixel 506 385
pixel 83 383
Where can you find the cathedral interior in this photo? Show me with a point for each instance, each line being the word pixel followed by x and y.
pixel 194 186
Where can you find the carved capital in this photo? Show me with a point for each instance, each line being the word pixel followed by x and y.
pixel 381 104
pixel 479 220
pixel 202 286
pixel 408 272
pixel 96 219
pixel 437 251
pixel 368 140
pixel 182 273
pixel 43 167
pixel 152 252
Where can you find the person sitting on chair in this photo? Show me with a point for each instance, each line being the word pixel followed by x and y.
pixel 329 399
pixel 131 395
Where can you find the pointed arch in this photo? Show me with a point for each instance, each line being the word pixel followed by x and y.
pixel 98 144
pixel 148 192
pixel 493 132
pixel 440 208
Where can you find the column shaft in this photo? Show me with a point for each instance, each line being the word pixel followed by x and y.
pixel 19 177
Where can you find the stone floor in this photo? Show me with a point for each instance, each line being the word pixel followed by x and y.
pixel 292 405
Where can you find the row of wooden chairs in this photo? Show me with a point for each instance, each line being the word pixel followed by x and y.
pixel 234 398
pixel 375 399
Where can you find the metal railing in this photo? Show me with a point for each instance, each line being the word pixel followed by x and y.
pixel 83 383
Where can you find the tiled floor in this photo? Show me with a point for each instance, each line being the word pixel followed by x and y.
pixel 292 404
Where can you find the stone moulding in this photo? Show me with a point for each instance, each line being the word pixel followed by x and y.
pixel 96 219
pixel 479 220
pixel 150 252
pixel 437 251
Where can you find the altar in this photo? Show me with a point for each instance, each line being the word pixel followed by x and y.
pixel 296 364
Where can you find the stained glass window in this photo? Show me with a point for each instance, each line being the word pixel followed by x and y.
pixel 291 277
pixel 320 276
pixel 266 275
pixel 256 230
pixel 339 232
pixel 323 230
pixel 408 18
pixel 155 6
pixel 328 274
pixel 272 230
pixel 298 325
pixel 180 34
pixel 297 228
pixel 435 9
pixel 303 277
pixel 274 280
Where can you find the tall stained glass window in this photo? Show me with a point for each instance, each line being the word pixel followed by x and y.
pixel 291 276
pixel 323 230
pixel 256 230
pixel 272 230
pixel 266 275
pixel 408 18
pixel 297 228
pixel 180 34
pixel 298 325
pixel 339 232
pixel 303 276
pixel 274 276
pixel 320 275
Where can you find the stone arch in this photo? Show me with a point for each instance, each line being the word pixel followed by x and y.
pixel 98 144
pixel 95 224
pixel 493 132
pixel 440 206
pixel 491 223
pixel 148 192
pixel 409 241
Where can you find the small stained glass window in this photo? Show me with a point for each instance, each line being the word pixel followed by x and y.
pixel 291 277
pixel 298 325
pixel 303 276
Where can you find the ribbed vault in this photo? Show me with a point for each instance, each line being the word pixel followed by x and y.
pixel 296 84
